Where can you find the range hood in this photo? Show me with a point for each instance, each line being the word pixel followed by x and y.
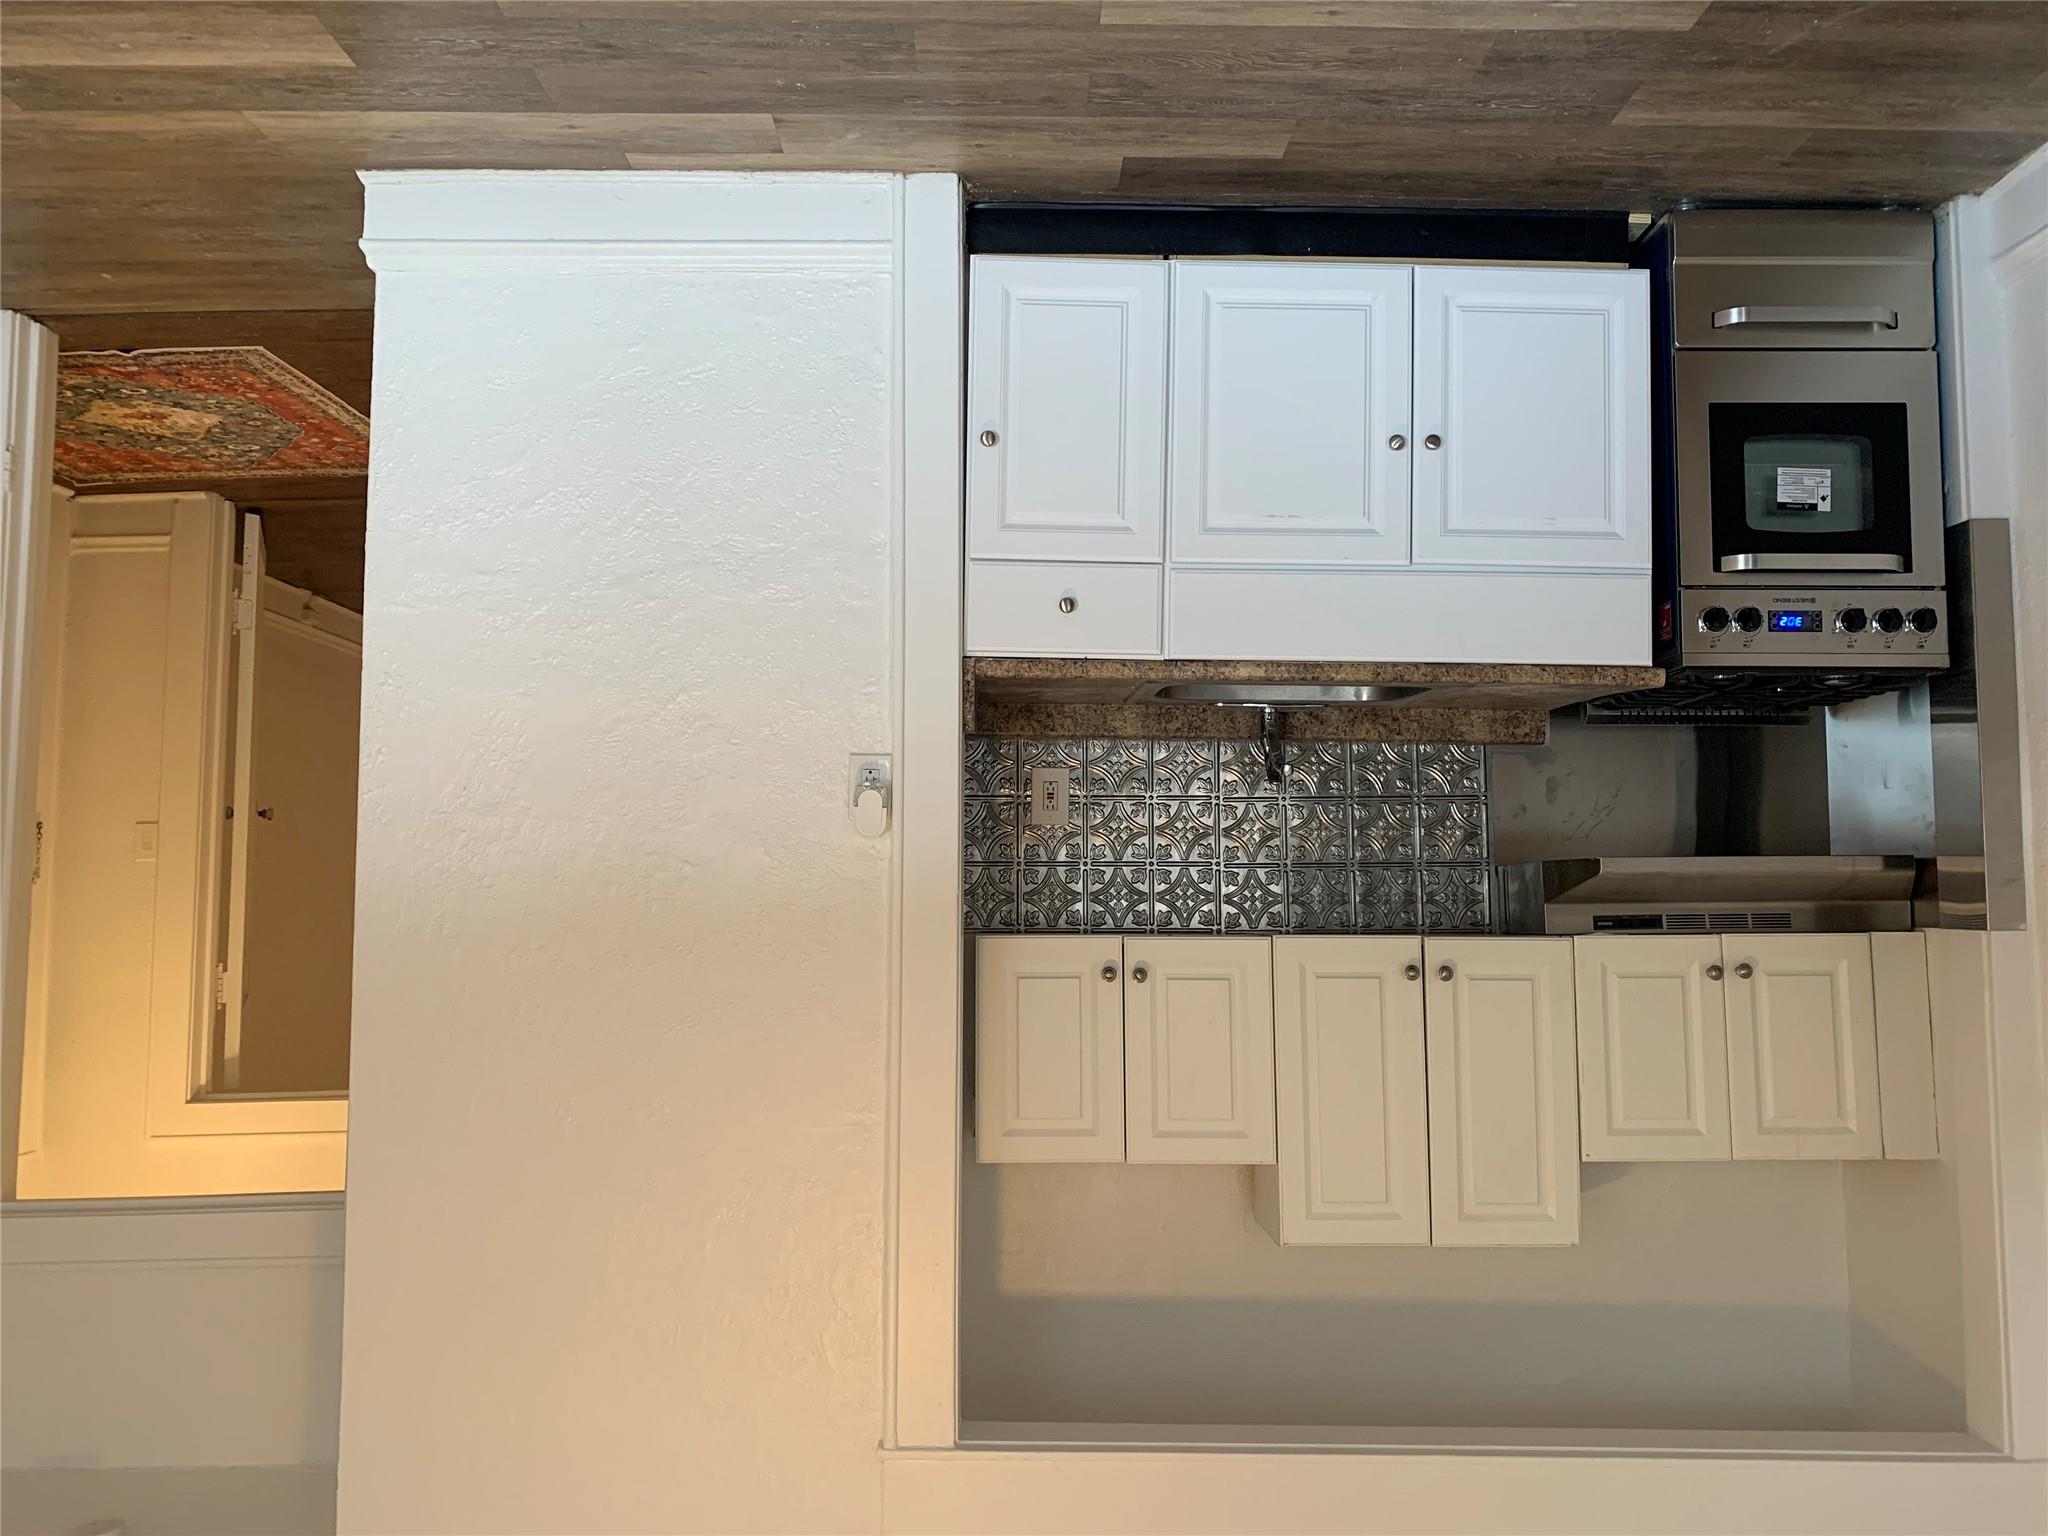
pixel 1840 893
pixel 1294 700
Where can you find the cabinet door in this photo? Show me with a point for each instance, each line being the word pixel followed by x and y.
pixel 1066 409
pixel 1802 1046
pixel 1352 1094
pixel 1503 1092
pixel 1536 386
pixel 1653 1049
pixel 1290 388
pixel 1198 1050
pixel 1048 1049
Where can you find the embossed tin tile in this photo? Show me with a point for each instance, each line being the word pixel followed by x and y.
pixel 1180 892
pixel 1184 831
pixel 1383 831
pixel 1071 755
pixel 1184 768
pixel 1119 898
pixel 1387 899
pixel 1318 832
pixel 1448 768
pixel 1119 768
pixel 988 829
pixel 1251 831
pixel 989 897
pixel 1119 830
pixel 1319 900
pixel 990 766
pixel 1453 831
pixel 1454 899
pixel 1254 899
pixel 1240 772
pixel 1051 896
pixel 1319 771
pixel 1382 768
pixel 1067 842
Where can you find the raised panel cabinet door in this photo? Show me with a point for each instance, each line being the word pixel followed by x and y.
pixel 1653 1049
pixel 1352 1094
pixel 1048 1049
pixel 1534 387
pixel 1802 1046
pixel 1290 404
pixel 1198 1050
pixel 1503 1092
pixel 1066 408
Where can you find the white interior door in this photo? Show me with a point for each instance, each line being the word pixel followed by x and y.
pixel 232 990
pixel 1503 1092
pixel 1198 1050
pixel 1066 408
pixel 1290 413
pixel 1534 386
pixel 1802 1046
pixel 1352 1094
pixel 1049 1049
pixel 1653 1049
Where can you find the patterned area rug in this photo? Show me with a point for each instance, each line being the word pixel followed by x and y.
pixel 207 414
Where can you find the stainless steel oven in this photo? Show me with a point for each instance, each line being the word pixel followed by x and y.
pixel 1799 451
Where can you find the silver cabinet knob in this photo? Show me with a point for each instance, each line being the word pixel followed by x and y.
pixel 1444 972
pixel 1139 973
pixel 1745 970
pixel 988 437
pixel 1109 972
pixel 1068 603
pixel 1713 973
pixel 1397 442
pixel 1412 971
pixel 1432 441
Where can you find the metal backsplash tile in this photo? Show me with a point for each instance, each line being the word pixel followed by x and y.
pixel 1191 837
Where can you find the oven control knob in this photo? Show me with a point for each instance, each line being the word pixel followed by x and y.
pixel 1890 620
pixel 1713 620
pixel 1923 620
pixel 1749 620
pixel 1852 621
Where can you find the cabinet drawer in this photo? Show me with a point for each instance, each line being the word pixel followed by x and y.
pixel 1034 609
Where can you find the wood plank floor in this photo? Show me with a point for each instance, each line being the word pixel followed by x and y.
pixel 194 157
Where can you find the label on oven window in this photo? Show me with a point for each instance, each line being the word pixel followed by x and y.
pixel 1805 490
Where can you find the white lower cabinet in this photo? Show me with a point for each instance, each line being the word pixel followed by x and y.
pixel 1049 1049
pixel 1352 1092
pixel 1503 1092
pixel 1198 1050
pixel 1802 1046
pixel 1653 1048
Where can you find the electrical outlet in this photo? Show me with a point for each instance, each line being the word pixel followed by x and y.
pixel 1052 790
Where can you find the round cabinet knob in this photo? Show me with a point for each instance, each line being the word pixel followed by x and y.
pixel 1745 970
pixel 1109 973
pixel 1714 973
pixel 1397 442
pixel 1890 620
pixel 1852 621
pixel 988 438
pixel 1444 972
pixel 1068 603
pixel 1139 973
pixel 1713 620
pixel 1749 620
pixel 1412 971
pixel 1432 441
pixel 1922 621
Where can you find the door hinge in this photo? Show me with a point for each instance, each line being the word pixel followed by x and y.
pixel 36 870
pixel 245 614
pixel 220 986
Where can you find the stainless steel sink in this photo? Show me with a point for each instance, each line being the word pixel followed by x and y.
pixel 1283 695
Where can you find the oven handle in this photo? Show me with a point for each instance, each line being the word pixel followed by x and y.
pixel 1874 315
pixel 1820 562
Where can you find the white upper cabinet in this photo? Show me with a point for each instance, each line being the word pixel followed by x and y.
pixel 1503 1092
pixel 1049 1049
pixel 1290 396
pixel 1534 386
pixel 1066 409
pixel 1653 1049
pixel 1352 1094
pixel 1198 1050
pixel 1802 1046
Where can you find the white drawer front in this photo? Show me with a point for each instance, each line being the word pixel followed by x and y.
pixel 1032 609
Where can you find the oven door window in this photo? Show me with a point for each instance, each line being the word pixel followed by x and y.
pixel 1795 480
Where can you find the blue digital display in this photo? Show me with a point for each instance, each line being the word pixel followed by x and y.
pixel 1799 619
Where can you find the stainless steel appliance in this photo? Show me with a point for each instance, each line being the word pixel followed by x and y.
pixel 1798 457
pixel 1824 894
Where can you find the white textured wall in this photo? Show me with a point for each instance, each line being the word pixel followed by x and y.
pixel 615 1178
